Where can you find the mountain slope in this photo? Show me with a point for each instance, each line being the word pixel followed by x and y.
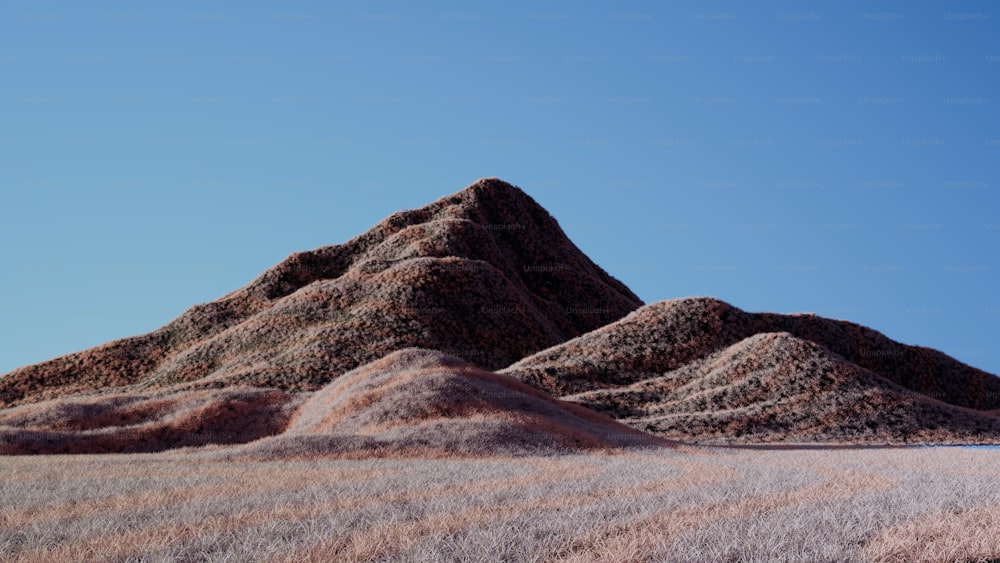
pixel 137 422
pixel 777 387
pixel 486 274
pixel 412 401
pixel 422 401
pixel 699 368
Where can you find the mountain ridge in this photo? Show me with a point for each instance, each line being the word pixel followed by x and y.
pixel 485 260
pixel 635 369
pixel 476 292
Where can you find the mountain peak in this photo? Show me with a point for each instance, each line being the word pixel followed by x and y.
pixel 495 193
pixel 498 206
pixel 494 187
pixel 485 274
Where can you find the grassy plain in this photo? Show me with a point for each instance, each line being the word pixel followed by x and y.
pixel 661 504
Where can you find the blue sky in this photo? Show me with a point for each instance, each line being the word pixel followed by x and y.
pixel 839 159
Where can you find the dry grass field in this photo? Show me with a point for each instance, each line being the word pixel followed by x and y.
pixel 654 504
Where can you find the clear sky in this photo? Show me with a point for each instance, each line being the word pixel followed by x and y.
pixel 791 156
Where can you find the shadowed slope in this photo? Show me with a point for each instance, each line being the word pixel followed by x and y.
pixel 669 334
pixel 422 401
pixel 776 387
pixel 144 423
pixel 644 344
pixel 486 274
pixel 682 367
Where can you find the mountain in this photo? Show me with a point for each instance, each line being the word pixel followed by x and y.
pixel 485 274
pixel 699 368
pixel 391 342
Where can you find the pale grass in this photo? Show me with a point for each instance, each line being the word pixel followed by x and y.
pixel 967 535
pixel 680 504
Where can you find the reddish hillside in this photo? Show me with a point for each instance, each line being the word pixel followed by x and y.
pixel 425 402
pixel 413 401
pixel 486 274
pixel 144 423
pixel 701 369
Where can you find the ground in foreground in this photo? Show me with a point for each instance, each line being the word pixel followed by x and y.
pixel 697 504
